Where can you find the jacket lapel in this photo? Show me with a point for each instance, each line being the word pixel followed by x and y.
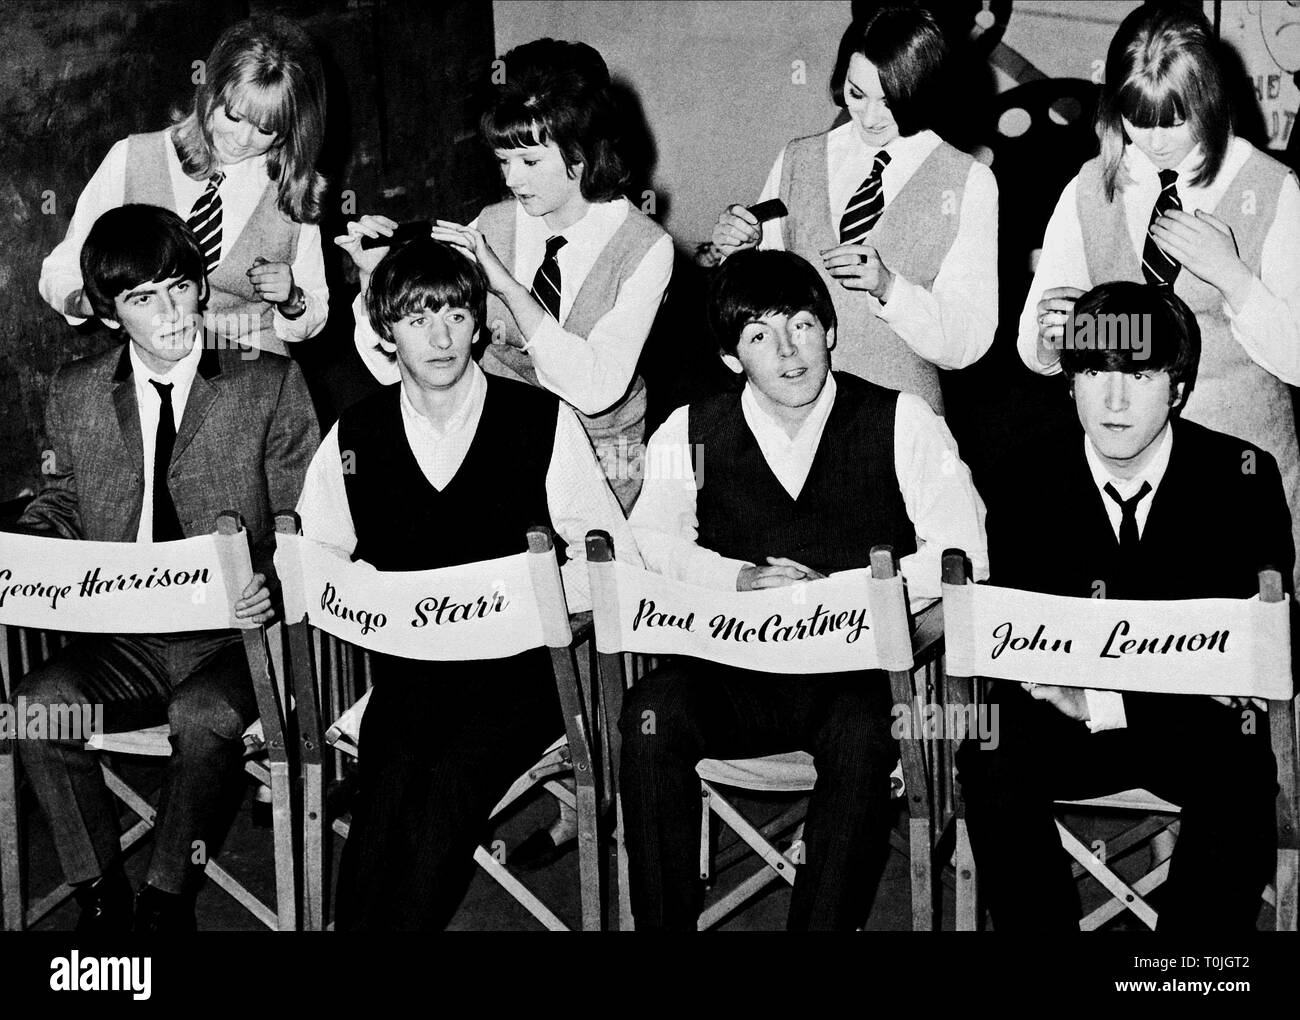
pixel 128 413
pixel 203 394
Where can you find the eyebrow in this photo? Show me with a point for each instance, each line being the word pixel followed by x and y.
pixel 854 84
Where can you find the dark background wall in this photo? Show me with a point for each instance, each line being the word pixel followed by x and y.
pixel 77 76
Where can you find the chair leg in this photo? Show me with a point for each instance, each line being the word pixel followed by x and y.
pixel 967 915
pixel 922 868
pixel 1130 897
pixel 286 899
pixel 706 848
pixel 518 890
pixel 589 860
pixel 1288 871
pixel 313 848
pixel 11 876
pixel 625 921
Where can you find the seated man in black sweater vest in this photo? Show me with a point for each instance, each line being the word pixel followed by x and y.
pixel 1143 505
pixel 448 466
pixel 795 477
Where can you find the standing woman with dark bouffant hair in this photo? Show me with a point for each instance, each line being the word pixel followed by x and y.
pixel 1176 199
pixel 240 167
pixel 575 272
pixel 902 226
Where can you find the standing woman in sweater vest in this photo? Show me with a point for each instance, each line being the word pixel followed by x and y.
pixel 902 226
pixel 575 272
pixel 240 168
pixel 1177 199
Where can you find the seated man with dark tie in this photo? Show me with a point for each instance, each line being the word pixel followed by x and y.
pixel 151 441
pixel 1144 505
pixel 448 466
pixel 793 478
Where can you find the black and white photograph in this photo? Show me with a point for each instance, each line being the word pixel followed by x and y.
pixel 650 465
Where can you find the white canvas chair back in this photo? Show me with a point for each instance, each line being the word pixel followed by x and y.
pixel 857 620
pixel 55 585
pixel 487 610
pixel 1223 647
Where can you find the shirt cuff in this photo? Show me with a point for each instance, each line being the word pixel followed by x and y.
pixel 1105 710
pixel 722 573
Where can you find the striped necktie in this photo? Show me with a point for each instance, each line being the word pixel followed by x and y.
pixel 1161 269
pixel 866 205
pixel 205 222
pixel 546 282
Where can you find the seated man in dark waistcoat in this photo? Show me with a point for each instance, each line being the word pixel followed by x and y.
pixel 791 479
pixel 448 466
pixel 1148 506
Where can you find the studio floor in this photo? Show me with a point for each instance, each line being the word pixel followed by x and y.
pixel 487 907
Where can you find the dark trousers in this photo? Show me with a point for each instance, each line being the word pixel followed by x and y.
pixel 692 710
pixel 199 684
pixel 440 745
pixel 1201 757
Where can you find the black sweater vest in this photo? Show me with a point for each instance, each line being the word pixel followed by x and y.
pixel 404 523
pixel 849 502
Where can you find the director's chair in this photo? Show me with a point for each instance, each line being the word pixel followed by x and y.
pixel 962 602
pixel 936 821
pixel 326 669
pixel 24 648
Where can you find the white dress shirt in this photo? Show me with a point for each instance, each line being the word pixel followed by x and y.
pixel 577 495
pixel 951 325
pixel 240 192
pixel 592 372
pixel 1268 325
pixel 149 402
pixel 1106 708
pixel 937 490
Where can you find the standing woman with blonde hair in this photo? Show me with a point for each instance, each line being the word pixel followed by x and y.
pixel 240 167
pixel 1176 199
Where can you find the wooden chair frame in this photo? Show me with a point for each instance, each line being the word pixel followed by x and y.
pixel 1161 814
pixel 936 814
pixel 318 697
pixel 22 649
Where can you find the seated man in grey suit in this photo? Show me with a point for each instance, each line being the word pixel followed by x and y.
pixel 151 441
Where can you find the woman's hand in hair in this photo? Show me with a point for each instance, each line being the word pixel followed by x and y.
pixel 1054 308
pixel 366 258
pixel 1206 247
pixel 737 229
pixel 859 267
pixel 474 244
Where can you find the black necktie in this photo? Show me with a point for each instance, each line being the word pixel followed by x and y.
pixel 205 222
pixel 166 525
pixel 867 203
pixel 1159 268
pixel 1128 520
pixel 546 281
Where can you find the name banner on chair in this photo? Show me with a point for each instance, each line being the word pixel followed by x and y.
pixel 1233 647
pixel 122 587
pixel 848 622
pixel 484 610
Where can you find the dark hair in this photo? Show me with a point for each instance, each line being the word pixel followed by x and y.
pixel 751 284
pixel 424 274
pixel 1161 69
pixel 269 67
pixel 559 92
pixel 135 244
pixel 1172 342
pixel 907 48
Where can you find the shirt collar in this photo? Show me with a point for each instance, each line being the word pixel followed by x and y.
pixel 812 425
pixel 181 373
pixel 1154 472
pixel 1140 167
pixel 908 148
pixel 461 417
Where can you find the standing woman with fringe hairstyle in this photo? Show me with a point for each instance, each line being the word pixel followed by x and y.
pixel 902 227
pixel 240 167
pixel 1176 199
pixel 575 272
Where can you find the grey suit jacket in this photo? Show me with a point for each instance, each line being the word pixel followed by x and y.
pixel 243 443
